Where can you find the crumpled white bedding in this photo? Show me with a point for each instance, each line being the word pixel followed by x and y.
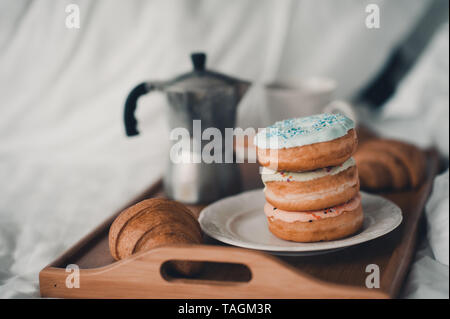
pixel 429 275
pixel 419 113
pixel 65 164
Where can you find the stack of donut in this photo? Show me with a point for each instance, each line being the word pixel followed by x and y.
pixel 311 180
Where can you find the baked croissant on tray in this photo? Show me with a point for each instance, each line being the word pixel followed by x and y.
pixel 385 164
pixel 152 223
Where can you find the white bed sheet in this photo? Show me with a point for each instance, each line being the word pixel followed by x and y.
pixel 419 113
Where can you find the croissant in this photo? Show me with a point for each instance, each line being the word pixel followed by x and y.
pixel 152 223
pixel 388 164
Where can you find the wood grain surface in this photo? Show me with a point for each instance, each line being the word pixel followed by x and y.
pixel 243 273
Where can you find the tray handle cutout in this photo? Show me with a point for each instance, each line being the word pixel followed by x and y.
pixel 205 270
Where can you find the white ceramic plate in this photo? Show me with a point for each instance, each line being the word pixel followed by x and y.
pixel 240 221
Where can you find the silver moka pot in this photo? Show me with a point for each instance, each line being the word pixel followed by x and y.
pixel 202 95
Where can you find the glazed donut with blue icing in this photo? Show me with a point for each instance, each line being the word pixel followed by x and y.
pixel 311 190
pixel 307 143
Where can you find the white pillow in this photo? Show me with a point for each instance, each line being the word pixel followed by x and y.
pixel 437 211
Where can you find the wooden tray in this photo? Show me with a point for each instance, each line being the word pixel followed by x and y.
pixel 233 272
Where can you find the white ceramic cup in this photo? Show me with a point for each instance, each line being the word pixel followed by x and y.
pixel 306 97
